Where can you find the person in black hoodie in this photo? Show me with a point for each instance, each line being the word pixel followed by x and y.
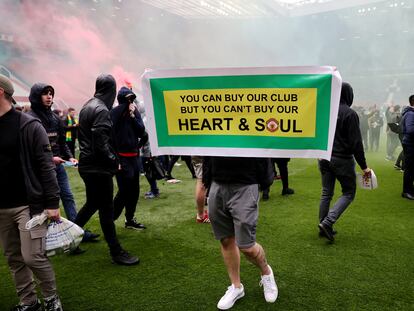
pixel 28 187
pixel 347 146
pixel 98 163
pixel 233 211
pixel 407 124
pixel 128 130
pixel 41 100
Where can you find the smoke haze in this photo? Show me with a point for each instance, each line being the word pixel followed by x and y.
pixel 69 43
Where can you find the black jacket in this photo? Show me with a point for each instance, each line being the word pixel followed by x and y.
pixel 54 126
pixel 37 164
pixel 127 130
pixel 348 139
pixel 407 126
pixel 234 170
pixel 97 154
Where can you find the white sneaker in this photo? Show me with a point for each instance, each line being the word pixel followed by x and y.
pixel 269 286
pixel 230 297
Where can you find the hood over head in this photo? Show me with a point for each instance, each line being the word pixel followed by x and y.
pixel 407 109
pixel 35 96
pixel 105 89
pixel 347 94
pixel 125 95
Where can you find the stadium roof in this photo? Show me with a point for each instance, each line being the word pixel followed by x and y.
pixel 200 9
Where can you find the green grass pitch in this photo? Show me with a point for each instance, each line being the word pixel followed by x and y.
pixel 369 267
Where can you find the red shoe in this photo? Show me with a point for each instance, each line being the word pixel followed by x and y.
pixel 204 220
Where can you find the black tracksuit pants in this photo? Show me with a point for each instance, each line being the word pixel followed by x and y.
pixel 282 165
pixel 99 197
pixel 128 188
pixel 186 159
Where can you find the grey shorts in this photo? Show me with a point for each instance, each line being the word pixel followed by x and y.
pixel 197 163
pixel 233 211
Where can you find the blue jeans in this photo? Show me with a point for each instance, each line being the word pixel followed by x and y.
pixel 65 193
pixel 153 185
pixel 342 170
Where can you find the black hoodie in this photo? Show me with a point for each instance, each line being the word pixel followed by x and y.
pixel 97 154
pixel 348 139
pixel 54 126
pixel 127 130
pixel 36 183
pixel 105 90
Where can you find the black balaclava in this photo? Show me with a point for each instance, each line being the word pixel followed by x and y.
pixel 105 89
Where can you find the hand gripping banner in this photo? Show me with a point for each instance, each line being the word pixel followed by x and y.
pixel 242 112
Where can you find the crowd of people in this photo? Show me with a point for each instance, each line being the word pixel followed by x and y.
pixel 374 122
pixel 113 141
pixel 395 123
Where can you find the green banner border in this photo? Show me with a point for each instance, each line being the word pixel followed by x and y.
pixel 322 82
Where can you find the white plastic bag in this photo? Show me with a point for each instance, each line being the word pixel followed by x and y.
pixel 62 236
pixel 369 182
pixel 36 221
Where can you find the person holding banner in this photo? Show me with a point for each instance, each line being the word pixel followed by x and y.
pixel 347 146
pixel 233 211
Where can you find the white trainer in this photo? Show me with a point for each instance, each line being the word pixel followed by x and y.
pixel 269 286
pixel 230 297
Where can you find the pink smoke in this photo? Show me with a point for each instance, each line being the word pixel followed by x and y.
pixel 124 78
pixel 68 51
